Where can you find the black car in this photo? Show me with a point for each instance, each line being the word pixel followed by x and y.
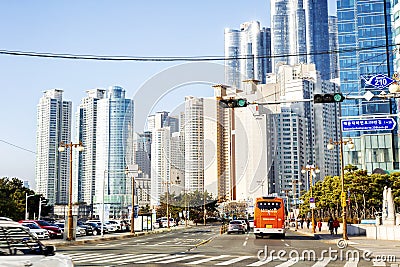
pixel 96 228
pixel 88 228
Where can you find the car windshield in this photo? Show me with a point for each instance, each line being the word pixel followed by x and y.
pixel 18 241
pixel 43 223
pixel 31 226
pixel 235 222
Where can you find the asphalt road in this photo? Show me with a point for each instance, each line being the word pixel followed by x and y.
pixel 204 246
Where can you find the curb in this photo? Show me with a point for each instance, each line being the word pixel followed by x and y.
pixel 66 243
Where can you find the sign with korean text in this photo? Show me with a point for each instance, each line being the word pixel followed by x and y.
pixel 379 124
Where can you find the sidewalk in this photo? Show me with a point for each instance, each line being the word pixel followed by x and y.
pixel 114 236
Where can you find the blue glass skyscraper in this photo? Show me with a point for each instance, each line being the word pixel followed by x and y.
pixel 299 34
pixel 364 34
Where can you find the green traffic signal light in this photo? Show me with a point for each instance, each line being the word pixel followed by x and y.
pixel 241 102
pixel 329 98
pixel 233 103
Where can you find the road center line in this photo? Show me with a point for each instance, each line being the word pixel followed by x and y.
pixel 245 243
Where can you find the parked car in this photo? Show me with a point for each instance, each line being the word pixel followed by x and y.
pixel 164 222
pixel 18 247
pixel 96 228
pixel 78 232
pixel 123 226
pixel 37 231
pixel 6 219
pixel 88 228
pixel 236 226
pixel 54 231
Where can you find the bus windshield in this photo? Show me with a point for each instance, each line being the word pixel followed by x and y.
pixel 268 205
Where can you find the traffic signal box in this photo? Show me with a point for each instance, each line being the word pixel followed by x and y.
pixel 233 103
pixel 328 98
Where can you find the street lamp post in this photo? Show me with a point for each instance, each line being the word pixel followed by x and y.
pixel 295 199
pixel 311 169
pixel 350 145
pixel 62 148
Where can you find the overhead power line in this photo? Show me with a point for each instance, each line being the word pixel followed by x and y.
pixel 166 58
pixel 11 144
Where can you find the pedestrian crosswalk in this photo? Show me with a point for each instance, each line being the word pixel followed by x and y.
pixel 112 259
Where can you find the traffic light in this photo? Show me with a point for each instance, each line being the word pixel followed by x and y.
pixel 328 98
pixel 233 103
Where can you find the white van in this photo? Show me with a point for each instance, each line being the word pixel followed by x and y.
pixel 18 245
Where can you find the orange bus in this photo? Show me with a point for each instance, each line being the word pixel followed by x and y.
pixel 269 217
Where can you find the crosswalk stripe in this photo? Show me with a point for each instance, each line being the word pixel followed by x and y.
pixel 131 256
pixel 181 259
pixel 288 263
pixel 85 256
pixel 378 263
pixel 138 259
pixel 111 258
pixel 160 259
pixel 261 262
pixel 322 263
pixel 351 263
pixel 97 258
pixel 207 259
pixel 232 261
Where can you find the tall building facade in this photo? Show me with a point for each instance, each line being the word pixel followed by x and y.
pixel 114 147
pixel 333 47
pixel 365 33
pixel 248 52
pixel 84 178
pixel 53 127
pixel 297 28
pixel 194 144
pixel 142 152
pixel 160 164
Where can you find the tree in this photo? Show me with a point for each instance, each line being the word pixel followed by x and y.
pixel 12 198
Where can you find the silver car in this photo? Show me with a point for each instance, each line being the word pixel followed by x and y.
pixel 18 246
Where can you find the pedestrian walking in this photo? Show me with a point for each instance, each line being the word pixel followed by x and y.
pixel 330 225
pixel 302 223
pixel 308 223
pixel 336 225
pixel 319 224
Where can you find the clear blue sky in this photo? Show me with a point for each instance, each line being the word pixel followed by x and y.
pixel 113 27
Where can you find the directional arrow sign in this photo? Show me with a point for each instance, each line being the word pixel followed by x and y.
pixel 380 124
pixel 379 81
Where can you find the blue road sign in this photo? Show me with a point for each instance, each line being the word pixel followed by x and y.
pixel 379 81
pixel 312 200
pixel 380 124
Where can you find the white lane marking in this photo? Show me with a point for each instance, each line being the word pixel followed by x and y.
pixel 131 256
pixel 245 243
pixel 288 263
pixel 181 258
pixel 115 258
pixel 378 263
pixel 322 263
pixel 163 258
pixel 86 256
pixel 120 262
pixel 208 259
pixel 287 245
pixel 232 261
pixel 352 263
pixel 282 240
pixel 261 262
pixel 104 256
